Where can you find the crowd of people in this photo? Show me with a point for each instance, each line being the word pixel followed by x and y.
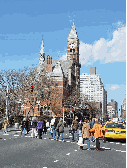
pixel 89 130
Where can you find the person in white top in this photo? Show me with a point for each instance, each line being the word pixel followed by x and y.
pixel 53 132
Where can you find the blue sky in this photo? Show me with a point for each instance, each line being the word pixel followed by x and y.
pixel 100 25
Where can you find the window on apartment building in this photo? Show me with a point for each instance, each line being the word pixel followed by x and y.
pixel 56 84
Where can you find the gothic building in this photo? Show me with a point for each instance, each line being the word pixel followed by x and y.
pixel 64 73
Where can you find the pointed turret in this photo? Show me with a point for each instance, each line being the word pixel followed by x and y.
pixel 42 48
pixel 73 33
pixel 42 54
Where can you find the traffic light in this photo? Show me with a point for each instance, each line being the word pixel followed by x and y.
pixel 32 88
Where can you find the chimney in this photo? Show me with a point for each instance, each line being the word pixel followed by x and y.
pixel 49 63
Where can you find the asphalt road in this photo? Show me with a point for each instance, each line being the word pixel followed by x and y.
pixel 25 152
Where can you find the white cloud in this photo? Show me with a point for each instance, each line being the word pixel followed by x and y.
pixel 103 50
pixel 64 57
pixel 114 87
pixel 108 51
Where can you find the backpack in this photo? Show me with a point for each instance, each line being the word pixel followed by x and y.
pixel 91 125
pixel 39 125
pixel 61 128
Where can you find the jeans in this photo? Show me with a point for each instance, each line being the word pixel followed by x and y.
pixel 80 133
pixel 77 132
pixel 5 130
pixel 88 142
pixel 59 135
pixel 54 132
pixel 23 129
pixel 92 138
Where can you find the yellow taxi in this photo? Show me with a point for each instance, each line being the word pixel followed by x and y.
pixel 115 130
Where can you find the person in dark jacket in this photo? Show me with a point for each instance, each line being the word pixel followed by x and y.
pixel 60 129
pixel 34 127
pixel 23 126
pixel 40 125
pixel 44 128
pixel 27 126
pixel 75 129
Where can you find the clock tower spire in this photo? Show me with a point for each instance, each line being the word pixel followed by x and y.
pixel 73 45
pixel 73 54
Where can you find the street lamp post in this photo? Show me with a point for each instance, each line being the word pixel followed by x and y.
pixel 7 103
pixel 63 114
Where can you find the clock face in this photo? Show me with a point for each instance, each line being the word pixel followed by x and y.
pixel 72 45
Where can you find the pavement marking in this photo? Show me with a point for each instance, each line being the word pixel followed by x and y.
pixel 117 143
pixel 56 160
pixel 123 151
pixel 91 145
pixel 75 150
pixel 107 148
pixel 5 134
pixel 16 135
pixel 27 136
pixel 44 167
pixel 18 131
pixel 4 139
pixel 70 136
pixel 118 150
pixel 123 144
pixel 68 154
pixel 66 134
pixel 112 149
pixel 111 142
pixel 103 147
pixel 67 141
pixel 44 138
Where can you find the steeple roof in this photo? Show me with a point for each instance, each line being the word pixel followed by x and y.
pixel 73 33
pixel 42 48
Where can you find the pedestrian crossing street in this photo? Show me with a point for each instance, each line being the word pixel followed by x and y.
pixel 69 141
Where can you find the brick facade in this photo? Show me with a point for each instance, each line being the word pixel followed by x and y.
pixel 65 75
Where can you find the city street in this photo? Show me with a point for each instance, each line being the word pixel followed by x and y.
pixel 23 151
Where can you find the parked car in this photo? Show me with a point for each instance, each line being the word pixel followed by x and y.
pixel 115 131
